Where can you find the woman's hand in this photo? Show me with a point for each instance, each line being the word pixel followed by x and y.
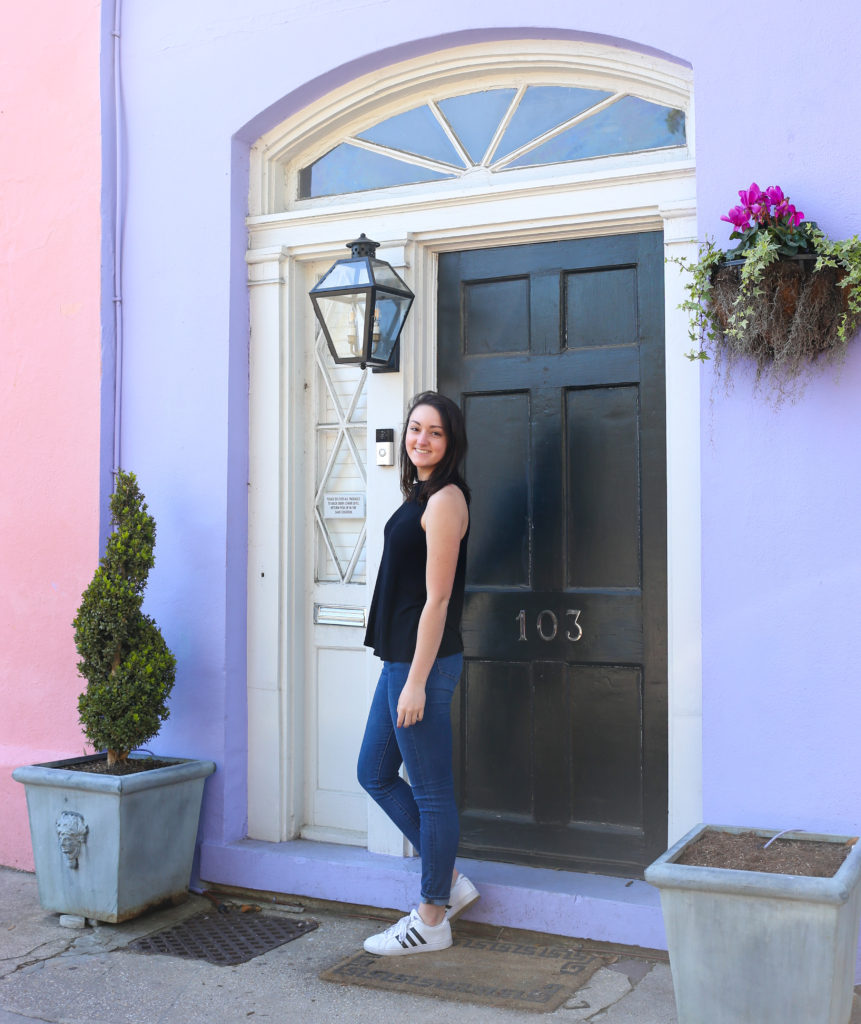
pixel 411 704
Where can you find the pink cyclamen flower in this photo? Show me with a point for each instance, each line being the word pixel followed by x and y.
pixel 775 195
pixel 760 212
pixel 739 217
pixel 786 211
pixel 750 196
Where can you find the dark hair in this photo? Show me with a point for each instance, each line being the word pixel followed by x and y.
pixel 447 471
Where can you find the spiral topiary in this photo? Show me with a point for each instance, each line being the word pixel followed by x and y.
pixel 128 667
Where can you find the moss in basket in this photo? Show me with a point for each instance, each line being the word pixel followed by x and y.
pixel 128 667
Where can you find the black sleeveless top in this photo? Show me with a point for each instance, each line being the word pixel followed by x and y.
pixel 400 593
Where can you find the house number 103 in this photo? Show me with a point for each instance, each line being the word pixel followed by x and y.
pixel 547 625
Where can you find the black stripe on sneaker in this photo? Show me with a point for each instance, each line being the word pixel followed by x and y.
pixel 413 934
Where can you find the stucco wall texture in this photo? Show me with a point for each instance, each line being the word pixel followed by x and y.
pixel 49 385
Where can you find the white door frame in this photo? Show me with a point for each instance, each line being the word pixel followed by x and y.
pixel 414 225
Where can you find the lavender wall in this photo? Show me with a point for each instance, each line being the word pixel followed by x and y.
pixel 779 489
pixel 781 547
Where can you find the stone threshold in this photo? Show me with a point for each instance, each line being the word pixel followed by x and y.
pixel 598 908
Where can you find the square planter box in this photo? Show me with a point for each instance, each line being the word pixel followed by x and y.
pixel 109 847
pixel 749 947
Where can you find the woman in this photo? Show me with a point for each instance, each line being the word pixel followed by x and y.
pixel 414 626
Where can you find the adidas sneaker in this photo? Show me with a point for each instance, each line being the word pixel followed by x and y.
pixel 410 935
pixel 463 895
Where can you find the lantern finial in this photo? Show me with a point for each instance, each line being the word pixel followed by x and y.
pixel 363 246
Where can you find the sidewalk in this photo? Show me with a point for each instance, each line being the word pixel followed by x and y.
pixel 70 976
pixel 53 974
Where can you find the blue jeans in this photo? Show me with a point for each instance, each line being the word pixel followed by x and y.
pixel 426 810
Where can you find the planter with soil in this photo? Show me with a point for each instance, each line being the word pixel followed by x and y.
pixel 109 846
pixel 761 935
pixel 114 834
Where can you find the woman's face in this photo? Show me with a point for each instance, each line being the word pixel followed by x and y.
pixel 425 441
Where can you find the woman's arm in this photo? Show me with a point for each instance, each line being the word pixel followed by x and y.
pixel 445 520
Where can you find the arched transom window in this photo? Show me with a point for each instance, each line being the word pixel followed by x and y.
pixel 499 129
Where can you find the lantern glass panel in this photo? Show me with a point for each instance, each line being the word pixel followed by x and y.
pixel 344 316
pixel 390 312
pixel 346 274
pixel 386 277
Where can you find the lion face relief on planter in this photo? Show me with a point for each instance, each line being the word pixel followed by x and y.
pixel 785 298
pixel 114 833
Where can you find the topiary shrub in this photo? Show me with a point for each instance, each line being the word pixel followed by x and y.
pixel 128 667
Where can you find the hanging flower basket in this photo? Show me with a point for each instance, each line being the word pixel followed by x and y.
pixel 784 297
pixel 797 315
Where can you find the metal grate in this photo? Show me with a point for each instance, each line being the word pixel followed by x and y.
pixel 223 939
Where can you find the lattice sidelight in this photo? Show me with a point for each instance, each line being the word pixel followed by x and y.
pixel 340 481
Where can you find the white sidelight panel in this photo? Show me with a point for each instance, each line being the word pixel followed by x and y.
pixel 336 801
pixel 335 513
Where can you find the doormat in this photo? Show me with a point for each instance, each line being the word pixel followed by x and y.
pixel 223 939
pixel 511 975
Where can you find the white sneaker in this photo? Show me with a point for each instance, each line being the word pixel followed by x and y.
pixel 410 935
pixel 463 895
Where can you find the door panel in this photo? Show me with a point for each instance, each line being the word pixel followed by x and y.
pixel 602 461
pixel 496 313
pixel 601 307
pixel 500 746
pixel 499 549
pixel 555 352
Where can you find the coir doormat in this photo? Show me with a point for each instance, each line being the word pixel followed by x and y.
pixel 512 975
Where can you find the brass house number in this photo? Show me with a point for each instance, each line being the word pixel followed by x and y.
pixel 547 625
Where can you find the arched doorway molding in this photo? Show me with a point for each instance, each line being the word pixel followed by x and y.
pixel 309 132
pixel 415 223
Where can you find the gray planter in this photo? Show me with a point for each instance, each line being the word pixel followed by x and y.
pixel 748 947
pixel 108 847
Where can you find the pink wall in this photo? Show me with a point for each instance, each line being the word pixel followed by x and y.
pixel 49 385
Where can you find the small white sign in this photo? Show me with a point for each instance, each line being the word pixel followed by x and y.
pixel 343 506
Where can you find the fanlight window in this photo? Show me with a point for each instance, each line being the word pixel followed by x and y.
pixel 498 129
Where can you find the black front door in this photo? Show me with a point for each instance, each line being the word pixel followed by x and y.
pixel 556 353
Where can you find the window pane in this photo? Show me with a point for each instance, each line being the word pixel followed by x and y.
pixel 631 124
pixel 415 131
pixel 628 125
pixel 544 107
pixel 347 168
pixel 474 117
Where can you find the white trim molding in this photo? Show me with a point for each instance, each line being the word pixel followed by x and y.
pixel 684 570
